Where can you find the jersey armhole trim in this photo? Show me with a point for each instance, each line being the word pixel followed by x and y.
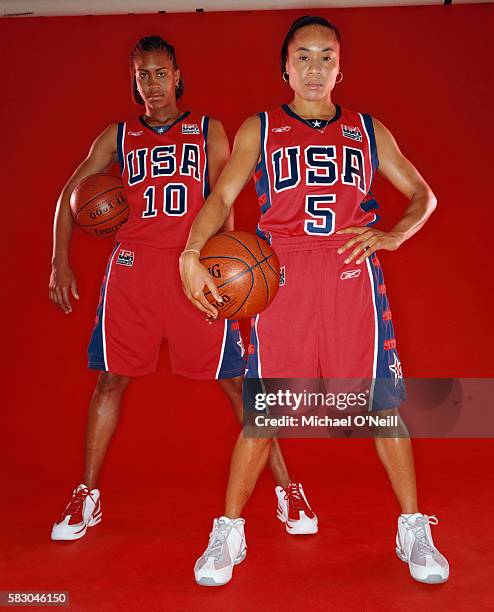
pixel 120 145
pixel 206 189
pixel 264 145
pixel 261 176
pixel 369 128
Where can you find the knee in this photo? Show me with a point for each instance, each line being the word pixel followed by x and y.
pixel 109 383
pixel 232 386
pixel 256 445
pixel 394 427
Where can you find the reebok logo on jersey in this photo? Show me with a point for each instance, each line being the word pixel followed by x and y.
pixel 125 258
pixel 351 132
pixel 282 276
pixel 190 128
pixel 284 128
pixel 131 133
pixel 349 274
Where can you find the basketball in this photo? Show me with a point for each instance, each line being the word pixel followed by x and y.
pixel 246 271
pixel 99 204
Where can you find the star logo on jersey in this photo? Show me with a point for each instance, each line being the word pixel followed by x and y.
pixel 162 129
pixel 316 123
pixel 131 133
pixel 190 128
pixel 351 132
pixel 283 128
pixel 396 369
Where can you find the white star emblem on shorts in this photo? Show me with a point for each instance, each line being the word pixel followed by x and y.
pixel 317 124
pixel 396 369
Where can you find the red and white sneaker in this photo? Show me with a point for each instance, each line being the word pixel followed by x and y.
pixel 294 510
pixel 83 511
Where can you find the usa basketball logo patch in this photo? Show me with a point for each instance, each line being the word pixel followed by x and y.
pixel 125 258
pixel 351 132
pixel 190 128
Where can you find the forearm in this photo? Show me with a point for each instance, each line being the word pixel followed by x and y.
pixel 208 222
pixel 62 230
pixel 229 224
pixel 417 213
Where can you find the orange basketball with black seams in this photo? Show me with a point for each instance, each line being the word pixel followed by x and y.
pixel 246 271
pixel 99 204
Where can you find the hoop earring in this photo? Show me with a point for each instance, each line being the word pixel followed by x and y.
pixel 341 79
pixel 286 77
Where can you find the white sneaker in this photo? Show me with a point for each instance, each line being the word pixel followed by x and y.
pixel 414 545
pixel 294 510
pixel 226 548
pixel 83 511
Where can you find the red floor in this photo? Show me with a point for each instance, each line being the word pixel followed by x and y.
pixel 141 556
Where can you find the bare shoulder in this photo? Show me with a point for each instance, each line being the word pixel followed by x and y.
pixel 215 127
pixel 249 133
pixel 109 134
pixel 251 124
pixel 106 142
pixel 384 137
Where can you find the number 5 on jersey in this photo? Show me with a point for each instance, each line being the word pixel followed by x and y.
pixel 323 216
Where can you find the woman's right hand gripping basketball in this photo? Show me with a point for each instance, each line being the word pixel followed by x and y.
pixel 62 280
pixel 215 213
pixel 195 278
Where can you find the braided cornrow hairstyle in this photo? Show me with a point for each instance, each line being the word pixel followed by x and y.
pixel 152 43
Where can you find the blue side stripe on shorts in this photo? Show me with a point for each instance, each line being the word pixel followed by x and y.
pixel 253 356
pixel 95 352
pixel 387 394
pixel 233 361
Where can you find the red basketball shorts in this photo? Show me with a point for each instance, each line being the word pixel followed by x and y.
pixel 141 303
pixel 329 319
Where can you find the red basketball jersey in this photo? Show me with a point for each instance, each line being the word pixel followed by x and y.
pixel 314 176
pixel 165 177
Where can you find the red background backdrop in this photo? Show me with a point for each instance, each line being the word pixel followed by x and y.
pixel 423 71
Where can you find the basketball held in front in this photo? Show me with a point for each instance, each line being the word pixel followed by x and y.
pixel 245 270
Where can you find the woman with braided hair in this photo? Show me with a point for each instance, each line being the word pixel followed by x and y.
pixel 168 159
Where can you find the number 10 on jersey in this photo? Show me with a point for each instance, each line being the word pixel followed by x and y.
pixel 174 200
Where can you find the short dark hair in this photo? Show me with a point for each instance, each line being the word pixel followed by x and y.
pixel 152 43
pixel 302 22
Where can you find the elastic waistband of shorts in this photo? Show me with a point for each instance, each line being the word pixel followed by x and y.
pixel 309 243
pixel 130 245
